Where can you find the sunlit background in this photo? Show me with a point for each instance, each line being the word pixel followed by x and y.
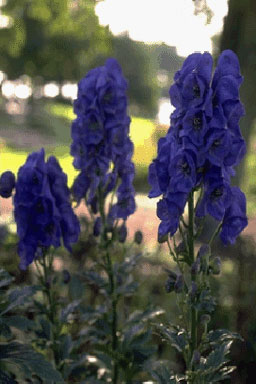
pixel 48 46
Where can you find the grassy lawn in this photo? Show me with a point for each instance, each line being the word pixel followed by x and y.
pixel 58 117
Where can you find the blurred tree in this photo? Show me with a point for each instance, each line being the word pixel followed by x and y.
pixel 55 39
pixel 239 34
pixel 138 68
pixel 167 62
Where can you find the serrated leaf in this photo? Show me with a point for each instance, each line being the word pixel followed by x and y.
pixel 5 278
pixel 176 337
pixel 30 361
pixel 6 379
pixel 221 335
pixel 18 297
pixel 70 308
pixel 91 314
pixel 65 346
pixel 217 357
pixel 143 316
pixel 76 288
pixel 92 277
pixel 128 264
pixel 163 376
pixel 206 302
pixel 127 289
pixel 45 332
pixel 20 322
pixel 5 329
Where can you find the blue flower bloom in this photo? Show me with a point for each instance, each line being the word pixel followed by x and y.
pixel 215 201
pixel 204 142
pixel 235 219
pixel 195 126
pixel 182 171
pixel 169 210
pixel 7 184
pixel 42 209
pixel 192 82
pixel 101 145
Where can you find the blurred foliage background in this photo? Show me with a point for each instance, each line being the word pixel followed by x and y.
pixel 46 47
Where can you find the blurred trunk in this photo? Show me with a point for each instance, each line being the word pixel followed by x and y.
pixel 239 34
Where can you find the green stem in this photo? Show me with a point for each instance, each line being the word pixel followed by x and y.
pixel 110 273
pixel 193 343
pixel 51 312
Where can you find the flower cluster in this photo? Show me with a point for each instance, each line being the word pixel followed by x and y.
pixel 202 146
pixel 101 145
pixel 42 208
pixel 7 184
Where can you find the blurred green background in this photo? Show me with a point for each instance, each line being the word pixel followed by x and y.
pixel 47 46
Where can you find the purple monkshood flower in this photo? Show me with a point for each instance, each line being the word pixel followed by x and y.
pixel 215 201
pixel 203 144
pixel 235 219
pixel 42 209
pixel 101 146
pixel 7 184
pixel 169 210
pixel 192 82
pixel 182 171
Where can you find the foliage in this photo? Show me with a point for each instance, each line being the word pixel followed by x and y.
pixel 42 33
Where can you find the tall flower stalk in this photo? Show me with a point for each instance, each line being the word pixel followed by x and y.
pixel 44 219
pixel 193 168
pixel 102 152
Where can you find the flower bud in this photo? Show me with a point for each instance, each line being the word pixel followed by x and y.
pixel 196 357
pixel 66 276
pixel 162 239
pixel 169 285
pixel 97 226
pixel 7 184
pixel 179 284
pixel 48 283
pixel 205 319
pixel 216 266
pixel 193 290
pixel 195 267
pixel 138 237
pixel 204 250
pixel 181 248
pixel 122 233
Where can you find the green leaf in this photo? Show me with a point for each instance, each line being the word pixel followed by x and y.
pixel 90 314
pixel 214 367
pixel 220 335
pixel 126 267
pixel 206 303
pixel 143 316
pixel 20 322
pixel 131 333
pixel 29 361
pixel 217 357
pixel 5 278
pixel 6 379
pixel 5 329
pixel 18 297
pixel 65 346
pixel 163 375
pixel 45 331
pixel 127 289
pixel 94 278
pixel 76 288
pixel 70 308
pixel 176 337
